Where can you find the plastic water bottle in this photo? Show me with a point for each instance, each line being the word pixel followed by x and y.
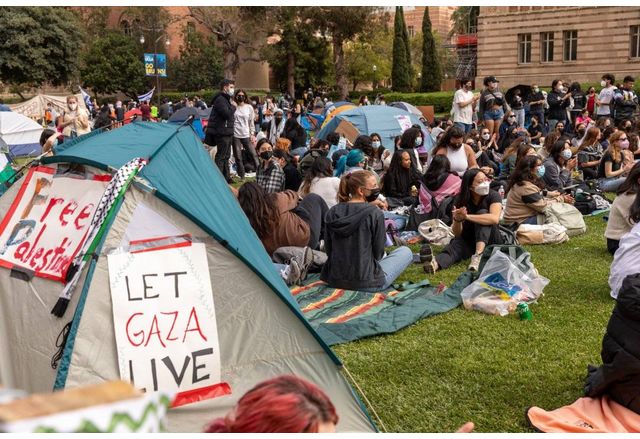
pixel 501 191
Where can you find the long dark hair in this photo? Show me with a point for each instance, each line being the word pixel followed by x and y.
pixel 292 125
pixel 439 166
pixel 523 172
pixel 260 207
pixel 451 133
pixel 364 144
pixel 408 139
pixel 630 185
pixel 462 199
pixel 321 167
pixel 402 177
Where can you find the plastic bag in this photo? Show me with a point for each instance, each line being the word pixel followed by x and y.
pixel 435 232
pixel 501 286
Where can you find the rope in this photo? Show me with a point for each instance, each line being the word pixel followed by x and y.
pixel 366 400
pixel 61 342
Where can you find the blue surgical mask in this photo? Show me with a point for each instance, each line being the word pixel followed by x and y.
pixel 418 141
pixel 566 154
pixel 375 144
pixel 540 171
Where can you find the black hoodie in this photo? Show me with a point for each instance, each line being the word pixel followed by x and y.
pixel 222 116
pixel 354 241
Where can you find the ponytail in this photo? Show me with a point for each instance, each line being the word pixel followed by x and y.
pixel 350 183
pixel 341 166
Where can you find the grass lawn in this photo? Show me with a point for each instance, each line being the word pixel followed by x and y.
pixel 467 366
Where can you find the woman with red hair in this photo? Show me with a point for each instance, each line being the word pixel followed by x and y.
pixel 285 404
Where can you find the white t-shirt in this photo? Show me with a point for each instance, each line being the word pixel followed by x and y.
pixel 244 123
pixel 606 96
pixel 327 188
pixel 462 114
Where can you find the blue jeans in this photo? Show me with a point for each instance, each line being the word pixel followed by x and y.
pixel 493 114
pixel 533 220
pixel 466 127
pixel 611 184
pixel 393 265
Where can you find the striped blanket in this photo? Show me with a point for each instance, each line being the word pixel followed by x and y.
pixel 341 316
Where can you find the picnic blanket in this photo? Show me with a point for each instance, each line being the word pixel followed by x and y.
pixel 341 316
pixel 586 415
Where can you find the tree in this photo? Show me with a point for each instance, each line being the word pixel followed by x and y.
pixel 431 69
pixel 38 45
pixel 464 20
pixel 112 64
pixel 94 20
pixel 199 65
pixel 231 26
pixel 340 25
pixel 401 70
pixel 369 49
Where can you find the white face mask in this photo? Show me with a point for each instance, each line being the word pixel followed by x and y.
pixel 603 83
pixel 231 91
pixel 536 89
pixel 418 141
pixel 566 154
pixel 73 107
pixel 375 144
pixel 486 136
pixel 482 188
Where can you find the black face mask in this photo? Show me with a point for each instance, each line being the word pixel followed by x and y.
pixel 240 98
pixel 278 119
pixel 266 155
pixel 373 196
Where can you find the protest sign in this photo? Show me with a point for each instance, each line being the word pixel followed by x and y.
pixel 404 121
pixel 165 322
pixel 48 221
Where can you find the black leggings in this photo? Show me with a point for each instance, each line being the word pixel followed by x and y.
pixel 312 209
pixel 460 248
pixel 612 245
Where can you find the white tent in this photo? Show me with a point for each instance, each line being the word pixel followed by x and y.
pixel 34 107
pixel 19 134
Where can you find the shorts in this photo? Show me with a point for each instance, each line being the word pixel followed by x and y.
pixel 493 114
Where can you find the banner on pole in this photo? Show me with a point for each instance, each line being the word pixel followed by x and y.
pixel 165 322
pixel 155 65
pixel 47 223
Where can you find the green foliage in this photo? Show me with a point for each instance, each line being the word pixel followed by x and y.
pixel 467 366
pixel 465 19
pixel 199 65
pixel 401 69
pixel 441 100
pixel 431 69
pixel 111 64
pixel 38 45
pixel 374 48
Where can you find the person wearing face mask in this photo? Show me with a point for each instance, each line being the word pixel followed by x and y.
pixel 221 124
pixel 605 98
pixel 558 100
pixel 292 177
pixel 276 128
pixel 270 175
pixel 578 100
pixel 535 130
pixel 558 166
pixel 377 154
pixel 74 121
pixel 353 161
pixel 463 103
pixel 625 101
pixel 476 215
pixel 591 101
pixel 244 133
pixel 580 133
pixel 355 237
pixel 589 154
pixel 536 105
pixel 612 171
pixel 517 107
pixel 412 138
pixel 492 105
pixel 460 155
pixel 399 181
pixel 509 122
pixel 319 148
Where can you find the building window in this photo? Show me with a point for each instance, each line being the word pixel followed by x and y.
pixel 570 45
pixel 546 47
pixel 634 44
pixel 191 27
pixel 412 31
pixel 125 27
pixel 524 48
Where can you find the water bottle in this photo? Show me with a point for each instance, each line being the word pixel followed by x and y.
pixel 501 191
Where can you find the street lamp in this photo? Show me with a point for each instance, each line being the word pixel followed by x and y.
pixel 374 67
pixel 155 60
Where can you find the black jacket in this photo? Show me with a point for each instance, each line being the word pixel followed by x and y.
pixel 557 106
pixel 222 116
pixel 354 242
pixel 619 375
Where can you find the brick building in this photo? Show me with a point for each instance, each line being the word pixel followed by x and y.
pixel 440 19
pixel 525 44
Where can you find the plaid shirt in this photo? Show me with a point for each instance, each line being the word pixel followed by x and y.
pixel 271 179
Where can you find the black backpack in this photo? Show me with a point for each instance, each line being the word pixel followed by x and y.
pixel 585 203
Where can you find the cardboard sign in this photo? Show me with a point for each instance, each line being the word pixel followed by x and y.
pixel 48 221
pixel 347 129
pixel 404 121
pixel 165 321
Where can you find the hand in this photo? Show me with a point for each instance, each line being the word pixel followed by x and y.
pixel 571 164
pixel 380 204
pixel 459 215
pixel 233 102
pixel 568 199
pixel 466 428
pixel 476 97
pixel 553 194
pixel 628 167
pixel 487 171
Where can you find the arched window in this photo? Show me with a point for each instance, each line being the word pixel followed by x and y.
pixel 125 27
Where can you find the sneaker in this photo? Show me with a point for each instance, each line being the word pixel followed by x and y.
pixel 293 273
pixel 475 262
pixel 426 253
pixel 430 266
pixel 307 260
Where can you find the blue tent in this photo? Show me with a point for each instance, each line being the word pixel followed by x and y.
pixel 183 114
pixel 180 192
pixel 380 119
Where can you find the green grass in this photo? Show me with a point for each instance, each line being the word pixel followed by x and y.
pixel 467 366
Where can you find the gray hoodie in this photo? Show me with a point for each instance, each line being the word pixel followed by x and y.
pixel 354 242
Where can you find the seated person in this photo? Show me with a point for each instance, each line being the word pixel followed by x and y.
pixel 584 118
pixel 319 148
pixel 482 157
pixel 292 177
pixel 411 140
pixel 510 156
pixel 49 140
pixel 619 223
pixel 558 166
pixel 401 180
pixel 320 180
pixel 612 172
pixel 281 219
pixel 589 154
pixel 461 156
pixel 438 183
pixel 476 215
pixel 619 375
pixel 376 154
pixel 353 161
pixel 270 175
pixel 535 130
pixel 355 238
pixel 527 197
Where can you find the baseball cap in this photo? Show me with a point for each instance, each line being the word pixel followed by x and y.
pixel 489 79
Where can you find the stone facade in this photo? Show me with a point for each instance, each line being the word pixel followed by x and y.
pixel 603 43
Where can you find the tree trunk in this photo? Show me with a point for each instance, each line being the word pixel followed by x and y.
pixel 291 74
pixel 230 66
pixel 341 69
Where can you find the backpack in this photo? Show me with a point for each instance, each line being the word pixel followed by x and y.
pixel 566 215
pixel 443 210
pixel 507 235
pixel 585 203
